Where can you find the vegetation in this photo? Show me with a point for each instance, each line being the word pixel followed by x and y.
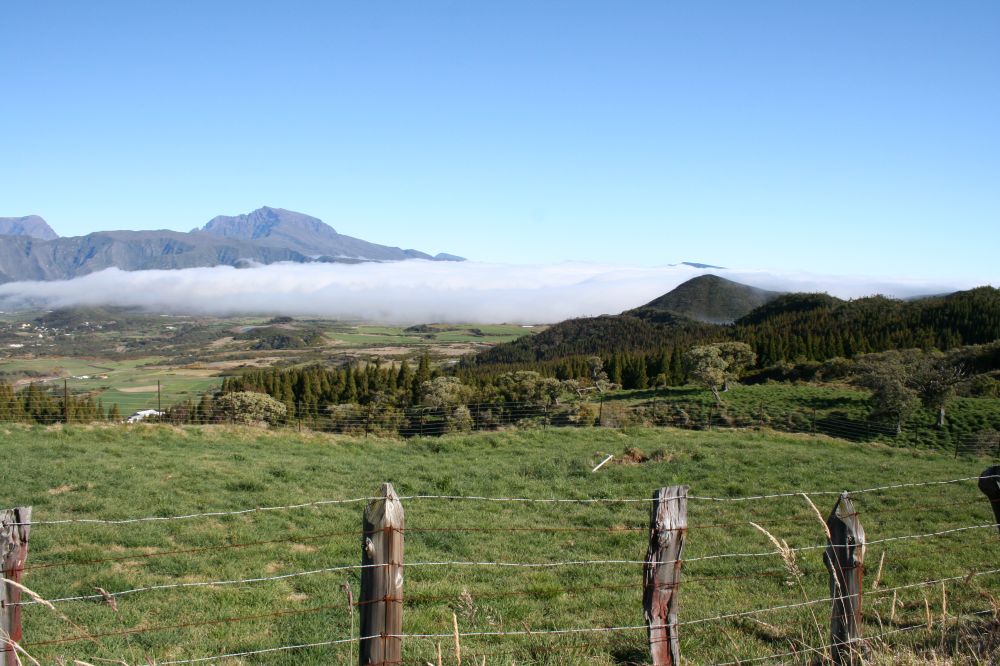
pixel 718 365
pixel 793 328
pixel 249 408
pixel 80 472
pixel 707 298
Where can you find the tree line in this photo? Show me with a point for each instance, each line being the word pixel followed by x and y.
pixel 36 404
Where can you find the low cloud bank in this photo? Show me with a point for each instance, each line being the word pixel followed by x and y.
pixel 418 291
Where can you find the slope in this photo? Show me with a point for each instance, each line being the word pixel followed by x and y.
pixel 29 225
pixel 791 327
pixel 707 298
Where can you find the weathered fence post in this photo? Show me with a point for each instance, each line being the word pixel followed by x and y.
pixel 662 573
pixel 989 483
pixel 382 579
pixel 845 559
pixel 14 528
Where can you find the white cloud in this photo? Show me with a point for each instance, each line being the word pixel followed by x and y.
pixel 420 291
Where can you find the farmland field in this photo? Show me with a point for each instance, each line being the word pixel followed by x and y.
pixel 112 473
pixel 118 355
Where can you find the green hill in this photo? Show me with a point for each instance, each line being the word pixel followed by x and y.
pixel 707 298
pixel 788 328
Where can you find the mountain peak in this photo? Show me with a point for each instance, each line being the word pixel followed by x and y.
pixel 29 225
pixel 707 298
pixel 698 264
pixel 265 222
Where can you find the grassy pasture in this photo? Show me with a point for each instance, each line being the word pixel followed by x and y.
pixel 129 382
pixel 82 472
pixel 965 416
pixel 371 335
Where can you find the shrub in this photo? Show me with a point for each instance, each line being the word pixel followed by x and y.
pixel 251 408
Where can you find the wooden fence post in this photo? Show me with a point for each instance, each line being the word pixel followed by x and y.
pixel 382 579
pixel 662 573
pixel 845 559
pixel 14 530
pixel 989 483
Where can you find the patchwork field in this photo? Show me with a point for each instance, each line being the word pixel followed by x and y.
pixel 118 355
pixel 110 473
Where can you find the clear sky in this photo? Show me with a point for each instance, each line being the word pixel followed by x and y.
pixel 840 137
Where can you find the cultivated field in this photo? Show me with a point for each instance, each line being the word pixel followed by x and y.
pixel 109 473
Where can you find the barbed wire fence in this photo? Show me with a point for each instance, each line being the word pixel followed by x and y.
pixel 451 618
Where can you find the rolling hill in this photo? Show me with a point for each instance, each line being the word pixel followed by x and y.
pixel 706 298
pixel 787 328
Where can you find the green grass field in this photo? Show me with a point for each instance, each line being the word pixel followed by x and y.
pixel 371 335
pixel 829 404
pixel 129 382
pixel 114 473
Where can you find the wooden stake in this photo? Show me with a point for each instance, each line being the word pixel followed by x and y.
pixel 662 573
pixel 989 483
pixel 382 579
pixel 878 576
pixel 13 553
pixel 458 643
pixel 845 559
pixel 944 604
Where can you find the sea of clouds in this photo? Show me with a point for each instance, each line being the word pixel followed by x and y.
pixel 420 291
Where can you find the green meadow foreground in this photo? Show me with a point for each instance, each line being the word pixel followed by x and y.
pixel 116 473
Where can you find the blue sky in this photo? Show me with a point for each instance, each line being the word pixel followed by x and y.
pixel 847 137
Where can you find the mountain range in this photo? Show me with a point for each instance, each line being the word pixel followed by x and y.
pixel 31 250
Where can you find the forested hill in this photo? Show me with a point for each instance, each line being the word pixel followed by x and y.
pixel 818 327
pixel 601 335
pixel 707 298
pixel 791 327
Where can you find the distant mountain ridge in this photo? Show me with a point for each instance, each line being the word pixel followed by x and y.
pixel 29 225
pixel 277 227
pixel 264 236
